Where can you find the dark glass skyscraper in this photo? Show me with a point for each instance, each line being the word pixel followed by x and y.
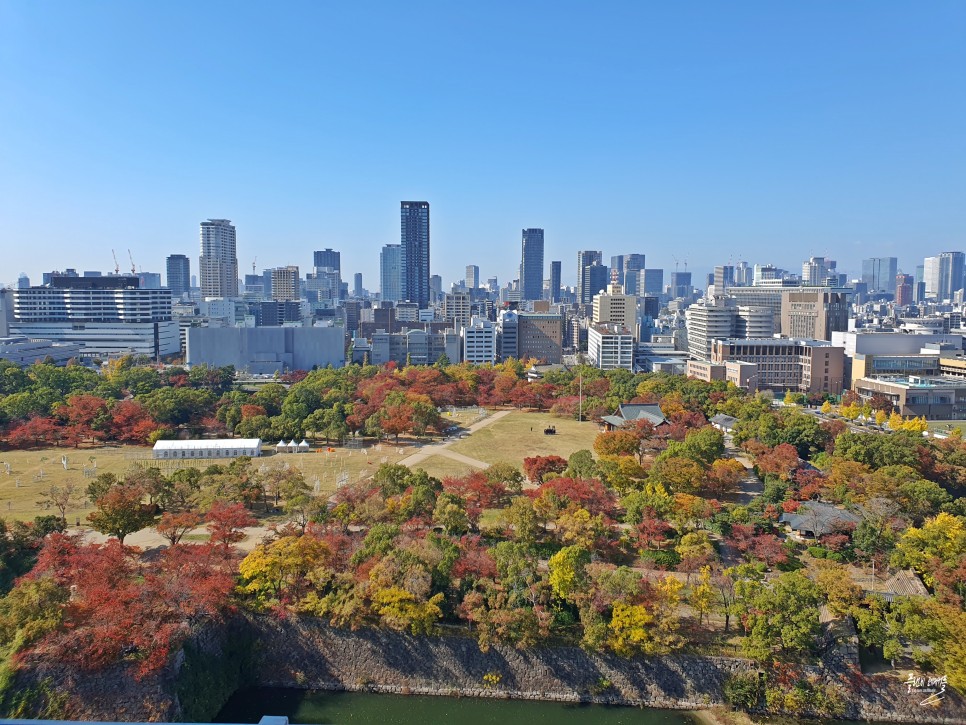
pixel 555 281
pixel 178 275
pixel 585 293
pixel 327 258
pixel 414 257
pixel 531 265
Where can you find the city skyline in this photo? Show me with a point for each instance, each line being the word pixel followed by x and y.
pixel 714 135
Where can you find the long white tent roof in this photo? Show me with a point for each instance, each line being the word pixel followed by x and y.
pixel 208 444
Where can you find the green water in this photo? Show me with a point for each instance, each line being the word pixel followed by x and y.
pixel 248 706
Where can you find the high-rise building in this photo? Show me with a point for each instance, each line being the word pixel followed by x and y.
pixel 414 257
pixel 435 288
pixel 178 277
pixel 724 277
pixel 706 322
pixel 555 267
pixel 327 258
pixel 219 259
pixel 357 285
pixel 531 265
pixel 456 309
pixel 594 280
pixel 904 285
pixel 586 259
pixel 633 264
pixel 540 336
pixel 285 283
pixel 610 347
pixel 814 313
pixel 943 275
pixel 479 341
pixel 818 271
pixel 390 272
pixel 652 282
pixel 879 273
pixel 472 276
pixel 681 285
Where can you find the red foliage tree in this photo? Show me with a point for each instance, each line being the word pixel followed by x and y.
pixel 769 549
pixel 537 467
pixel 589 494
pixel 780 461
pixel 34 432
pixel 131 423
pixel 225 523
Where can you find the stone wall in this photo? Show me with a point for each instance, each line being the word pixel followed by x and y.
pixel 304 653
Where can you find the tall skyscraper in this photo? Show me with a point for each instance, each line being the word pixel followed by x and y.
pixel 219 259
pixel 390 272
pixel 178 277
pixel 681 284
pixel 879 273
pixel 817 271
pixel 943 275
pixel 327 258
pixel 584 260
pixel 555 281
pixel 595 279
pixel 357 285
pixel 472 276
pixel 414 258
pixel 531 265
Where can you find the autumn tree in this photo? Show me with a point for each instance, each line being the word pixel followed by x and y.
pixel 174 525
pixel 120 511
pixel 226 522
pixel 537 467
pixel 61 498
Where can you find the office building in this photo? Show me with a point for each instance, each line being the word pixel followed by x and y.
pixel 24 351
pixel 932 397
pixel 616 308
pixel 456 309
pixel 904 289
pixel 415 347
pixel 435 288
pixel 390 272
pixel 652 282
pixel 814 313
pixel 707 321
pixel 681 286
pixel 879 273
pixel 472 276
pixel 107 315
pixel 479 342
pixel 285 283
pixel 540 336
pixel 327 258
pixel 414 253
pixel 724 277
pixel 625 270
pixel 594 280
pixel 554 293
pixel 805 366
pixel 508 335
pixel 819 272
pixel 178 277
pixel 585 289
pixel 610 347
pixel 219 259
pixel 357 290
pixel 531 265
pixel 943 275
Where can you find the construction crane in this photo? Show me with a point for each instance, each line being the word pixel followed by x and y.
pixel 131 257
pixel 117 267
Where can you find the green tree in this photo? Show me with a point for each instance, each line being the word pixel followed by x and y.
pixel 120 511
pixel 784 617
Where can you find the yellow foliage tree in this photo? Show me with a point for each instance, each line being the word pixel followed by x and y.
pixel 630 630
pixel 826 408
pixel 703 595
pixel 400 610
pixel 942 537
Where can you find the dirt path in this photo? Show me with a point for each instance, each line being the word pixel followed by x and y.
pixel 441 447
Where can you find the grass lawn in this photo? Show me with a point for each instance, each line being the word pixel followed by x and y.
pixel 20 490
pixel 945 425
pixel 441 466
pixel 519 435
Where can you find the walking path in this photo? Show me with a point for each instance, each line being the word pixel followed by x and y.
pixel 441 448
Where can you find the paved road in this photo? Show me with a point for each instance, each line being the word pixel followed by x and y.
pixel 441 447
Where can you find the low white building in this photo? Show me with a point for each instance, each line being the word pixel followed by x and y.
pixel 610 347
pixel 479 342
pixel 213 448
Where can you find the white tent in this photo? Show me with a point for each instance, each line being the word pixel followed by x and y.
pixel 292 446
pixel 280 448
pixel 304 446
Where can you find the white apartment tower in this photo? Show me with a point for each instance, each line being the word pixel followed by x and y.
pixel 219 259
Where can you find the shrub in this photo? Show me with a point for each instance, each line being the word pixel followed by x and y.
pixel 661 559
pixel 817 551
pixel 743 690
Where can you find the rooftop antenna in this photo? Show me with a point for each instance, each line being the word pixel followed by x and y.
pixel 131 257
pixel 117 267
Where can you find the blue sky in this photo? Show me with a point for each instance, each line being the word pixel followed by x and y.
pixel 706 131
